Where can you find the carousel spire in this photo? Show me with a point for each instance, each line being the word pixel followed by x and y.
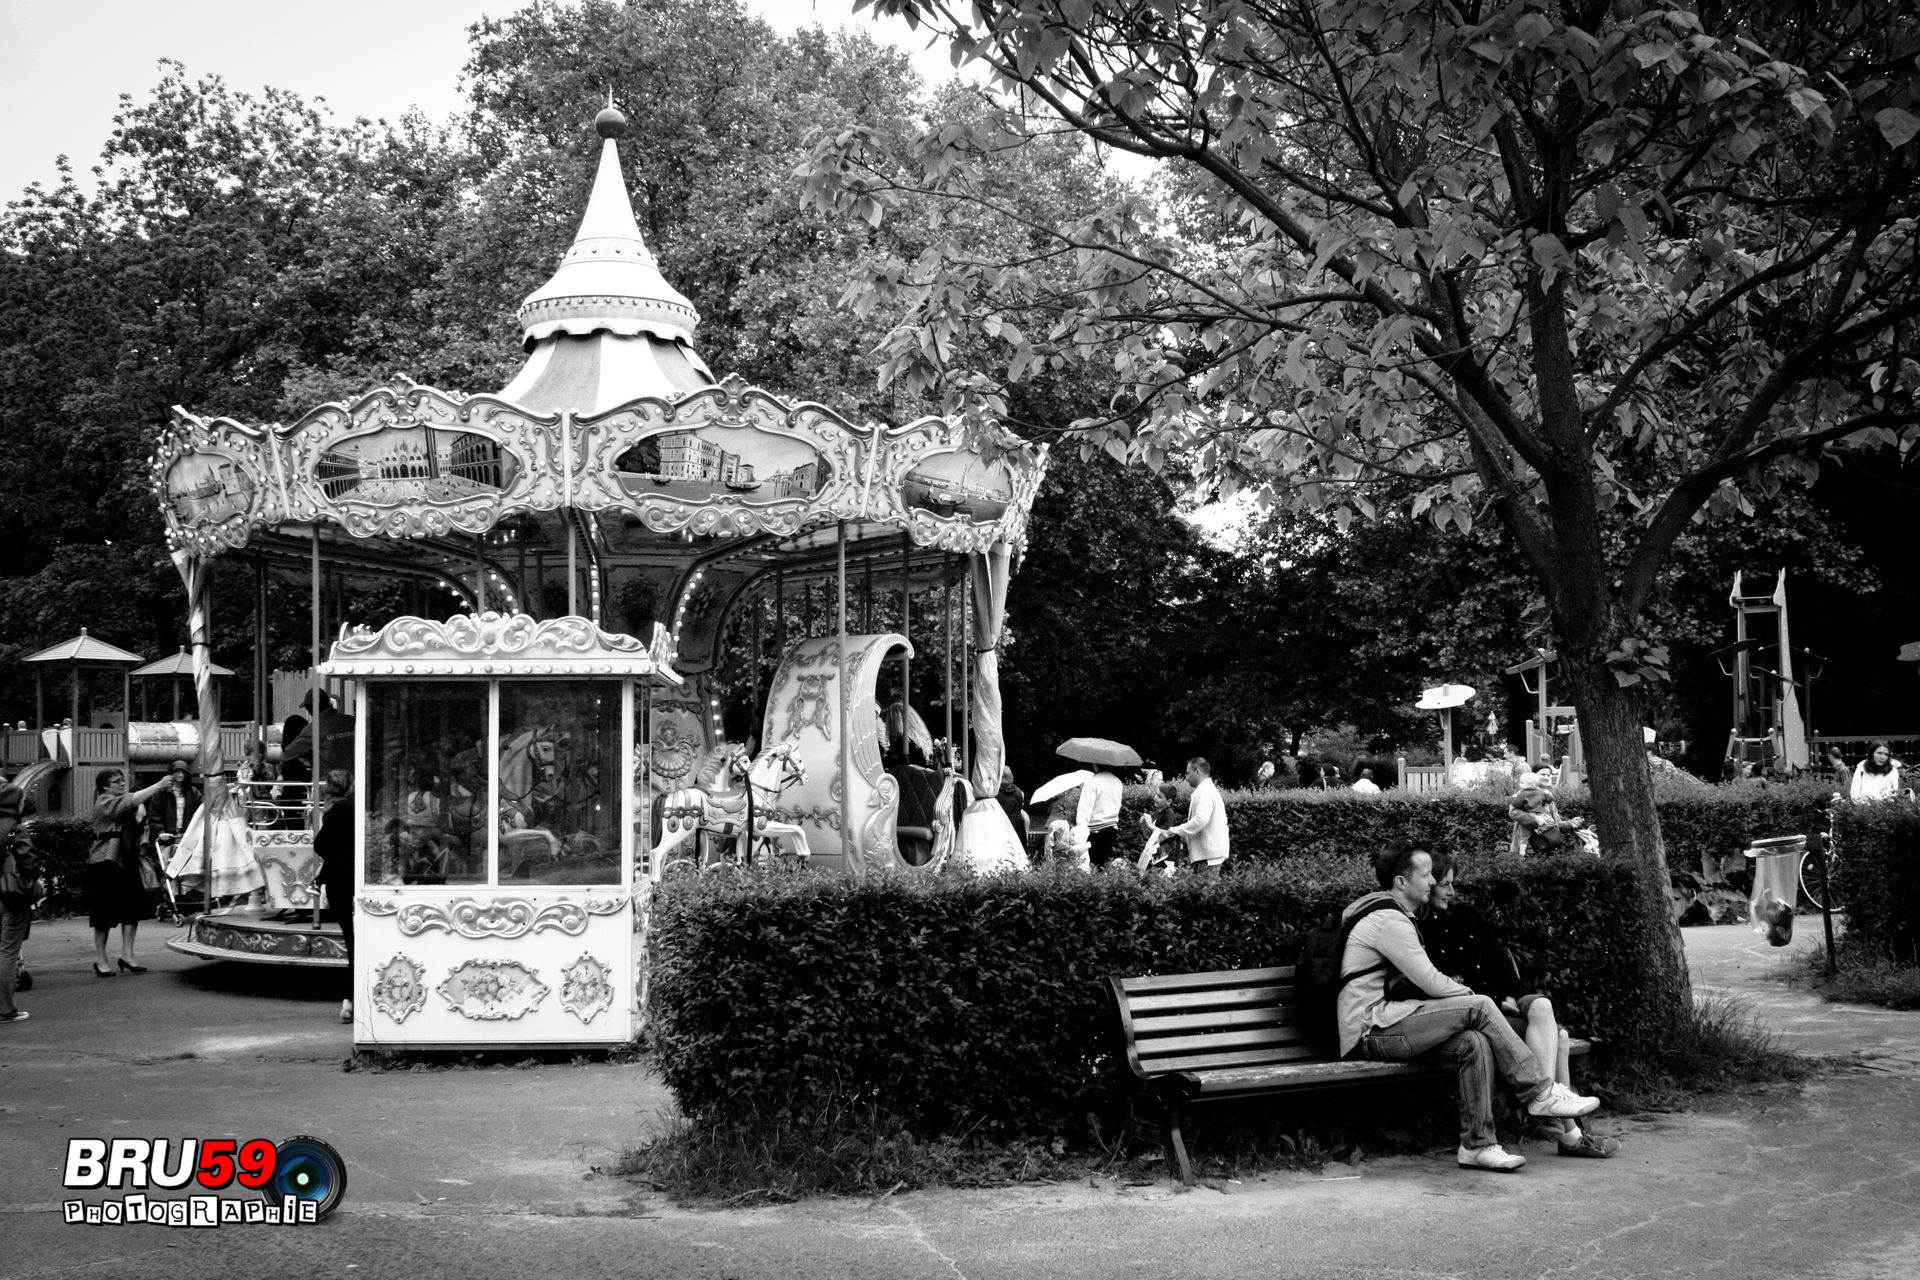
pixel 609 279
pixel 607 327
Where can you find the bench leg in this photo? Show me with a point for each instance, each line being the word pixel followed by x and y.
pixel 1176 1145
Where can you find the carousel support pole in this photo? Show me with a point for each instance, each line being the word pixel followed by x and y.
pixel 906 623
pixel 966 672
pixel 538 602
pixel 313 674
pixel 869 596
pixel 520 572
pixel 850 852
pixel 759 674
pixel 479 575
pixel 261 708
pixel 779 615
pixel 946 626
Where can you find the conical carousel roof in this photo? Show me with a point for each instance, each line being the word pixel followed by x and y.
pixel 607 328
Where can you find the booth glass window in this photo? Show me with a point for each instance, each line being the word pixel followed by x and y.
pixel 427 795
pixel 559 778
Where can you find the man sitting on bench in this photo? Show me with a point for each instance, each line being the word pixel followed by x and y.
pixel 1438 1019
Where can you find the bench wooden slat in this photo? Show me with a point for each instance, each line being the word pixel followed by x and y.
pixel 1204 1062
pixel 1244 1038
pixel 1279 1076
pixel 1268 1015
pixel 1215 998
pixel 1201 981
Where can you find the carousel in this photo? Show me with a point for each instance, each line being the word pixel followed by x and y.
pixel 651 618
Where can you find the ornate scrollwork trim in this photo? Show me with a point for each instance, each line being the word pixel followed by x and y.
pixel 498 644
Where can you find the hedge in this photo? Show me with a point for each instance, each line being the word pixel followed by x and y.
pixel 962 1005
pixel 1699 822
pixel 62 845
pixel 1879 878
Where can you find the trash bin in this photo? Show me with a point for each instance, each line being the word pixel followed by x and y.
pixel 1776 885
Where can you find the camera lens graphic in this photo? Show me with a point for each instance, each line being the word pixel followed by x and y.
pixel 308 1169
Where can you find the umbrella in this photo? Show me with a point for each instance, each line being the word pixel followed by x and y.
pixel 1442 696
pixel 1098 751
pixel 1059 786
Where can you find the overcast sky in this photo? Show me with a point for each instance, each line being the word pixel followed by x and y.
pixel 64 65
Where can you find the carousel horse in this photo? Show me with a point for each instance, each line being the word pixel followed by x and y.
pixel 720 809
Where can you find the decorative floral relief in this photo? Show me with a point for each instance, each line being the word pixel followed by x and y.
pixel 586 988
pixel 493 990
pixel 400 988
pixel 502 917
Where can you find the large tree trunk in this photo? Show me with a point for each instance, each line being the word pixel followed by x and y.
pixel 1628 824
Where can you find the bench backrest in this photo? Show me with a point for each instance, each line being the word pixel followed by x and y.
pixel 1198 1021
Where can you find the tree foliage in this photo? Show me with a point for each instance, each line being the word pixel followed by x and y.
pixel 1591 266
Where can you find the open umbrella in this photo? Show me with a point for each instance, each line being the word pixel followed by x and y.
pixel 1098 751
pixel 1444 698
pixel 1054 787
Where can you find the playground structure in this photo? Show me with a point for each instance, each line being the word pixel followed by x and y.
pixel 1768 720
pixel 775 555
pixel 1553 731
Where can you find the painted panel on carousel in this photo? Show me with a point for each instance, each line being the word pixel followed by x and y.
pixel 725 460
pixel 955 487
pixel 214 481
pixel 410 461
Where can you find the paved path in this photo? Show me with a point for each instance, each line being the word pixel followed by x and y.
pixel 489 1172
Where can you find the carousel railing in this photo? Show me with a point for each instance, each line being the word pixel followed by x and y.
pixel 276 805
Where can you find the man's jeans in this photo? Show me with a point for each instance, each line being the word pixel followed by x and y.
pixel 1469 1032
pixel 14 923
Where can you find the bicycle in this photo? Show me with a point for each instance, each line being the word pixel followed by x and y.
pixel 1816 881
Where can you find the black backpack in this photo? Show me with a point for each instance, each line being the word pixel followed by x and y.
pixel 1317 980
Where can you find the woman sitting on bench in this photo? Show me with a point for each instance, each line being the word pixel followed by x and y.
pixel 1463 946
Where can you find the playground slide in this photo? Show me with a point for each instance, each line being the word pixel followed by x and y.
pixel 40 781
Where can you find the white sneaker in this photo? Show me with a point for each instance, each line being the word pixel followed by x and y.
pixel 1562 1103
pixel 1494 1157
pixel 346 1011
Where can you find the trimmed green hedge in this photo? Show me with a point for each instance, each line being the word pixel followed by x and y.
pixel 1879 878
pixel 1715 823
pixel 960 1005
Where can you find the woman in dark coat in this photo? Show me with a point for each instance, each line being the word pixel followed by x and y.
pixel 1463 945
pixel 333 845
pixel 115 895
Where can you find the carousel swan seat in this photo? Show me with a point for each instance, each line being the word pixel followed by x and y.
pixel 919 795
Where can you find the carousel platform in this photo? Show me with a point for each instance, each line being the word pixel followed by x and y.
pixel 262 936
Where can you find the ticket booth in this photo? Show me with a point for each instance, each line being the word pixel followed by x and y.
pixel 496 829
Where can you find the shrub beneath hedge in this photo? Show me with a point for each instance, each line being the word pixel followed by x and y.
pixel 62 845
pixel 1879 879
pixel 966 1005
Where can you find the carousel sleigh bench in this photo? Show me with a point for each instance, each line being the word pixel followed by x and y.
pixel 1234 1034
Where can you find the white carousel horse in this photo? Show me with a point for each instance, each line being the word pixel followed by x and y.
pixel 721 809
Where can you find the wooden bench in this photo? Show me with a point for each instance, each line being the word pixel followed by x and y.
pixel 1237 1033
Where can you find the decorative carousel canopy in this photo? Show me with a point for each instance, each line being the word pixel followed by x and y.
pixel 498 644
pixel 614 415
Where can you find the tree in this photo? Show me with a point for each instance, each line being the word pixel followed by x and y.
pixel 1590 266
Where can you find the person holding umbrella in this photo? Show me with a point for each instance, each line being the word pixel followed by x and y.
pixel 1099 807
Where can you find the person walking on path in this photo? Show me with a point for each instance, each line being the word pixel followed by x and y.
pixel 333 845
pixel 16 911
pixel 115 894
pixel 1205 829
pixel 1450 1024
pixel 1099 812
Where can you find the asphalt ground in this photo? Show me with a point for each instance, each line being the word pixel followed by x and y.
pixel 491 1171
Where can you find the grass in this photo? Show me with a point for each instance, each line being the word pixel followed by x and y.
pixel 1723 1046
pixel 1862 976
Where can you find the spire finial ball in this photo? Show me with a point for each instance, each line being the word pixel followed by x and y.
pixel 610 123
